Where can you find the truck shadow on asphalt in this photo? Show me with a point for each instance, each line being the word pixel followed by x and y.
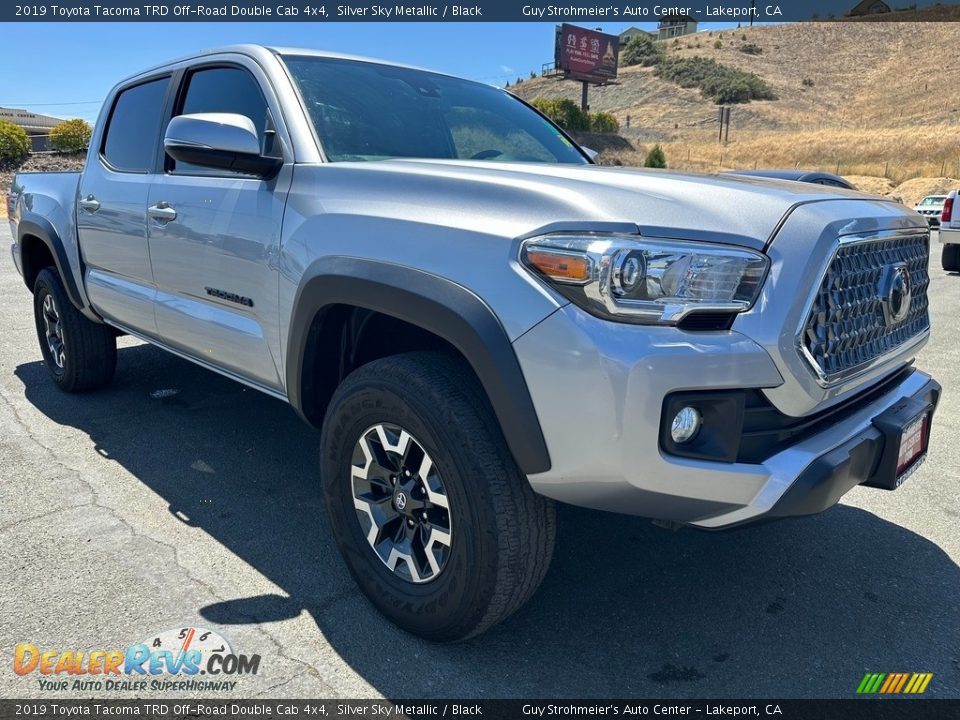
pixel 791 609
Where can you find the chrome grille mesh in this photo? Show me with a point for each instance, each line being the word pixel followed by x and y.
pixel 845 328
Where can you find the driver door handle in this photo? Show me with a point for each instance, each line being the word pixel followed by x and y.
pixel 90 204
pixel 162 212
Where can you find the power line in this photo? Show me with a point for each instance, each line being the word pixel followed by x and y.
pixel 78 102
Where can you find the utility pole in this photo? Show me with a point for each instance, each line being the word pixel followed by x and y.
pixel 584 104
pixel 753 9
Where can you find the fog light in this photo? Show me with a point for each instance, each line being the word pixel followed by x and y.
pixel 686 425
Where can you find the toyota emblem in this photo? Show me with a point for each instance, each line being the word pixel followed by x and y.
pixel 896 293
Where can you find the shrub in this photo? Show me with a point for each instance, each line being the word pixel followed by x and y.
pixel 603 122
pixel 808 82
pixel 721 83
pixel 71 135
pixel 14 143
pixel 641 50
pixel 655 158
pixel 717 45
pixel 729 91
pixel 565 113
pixel 751 49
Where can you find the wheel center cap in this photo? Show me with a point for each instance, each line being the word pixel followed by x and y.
pixel 400 501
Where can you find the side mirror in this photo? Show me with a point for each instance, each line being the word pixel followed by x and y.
pixel 591 153
pixel 225 141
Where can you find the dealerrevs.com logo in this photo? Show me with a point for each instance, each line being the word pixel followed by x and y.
pixel 168 661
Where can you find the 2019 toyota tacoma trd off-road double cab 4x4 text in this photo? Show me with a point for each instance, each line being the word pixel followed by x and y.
pixel 481 320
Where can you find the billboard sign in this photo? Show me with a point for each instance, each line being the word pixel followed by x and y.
pixel 583 54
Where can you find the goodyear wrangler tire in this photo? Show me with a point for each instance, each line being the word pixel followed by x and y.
pixel 436 523
pixel 80 354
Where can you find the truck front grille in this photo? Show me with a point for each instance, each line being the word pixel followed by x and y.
pixel 850 324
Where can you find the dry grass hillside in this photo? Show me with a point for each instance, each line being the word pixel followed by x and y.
pixel 870 99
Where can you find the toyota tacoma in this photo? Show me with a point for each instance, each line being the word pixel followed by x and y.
pixel 481 320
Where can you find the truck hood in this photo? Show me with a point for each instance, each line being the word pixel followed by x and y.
pixel 518 199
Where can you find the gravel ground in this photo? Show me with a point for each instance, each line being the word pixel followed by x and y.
pixel 176 498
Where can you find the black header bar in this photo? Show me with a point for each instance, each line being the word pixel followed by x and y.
pixel 573 11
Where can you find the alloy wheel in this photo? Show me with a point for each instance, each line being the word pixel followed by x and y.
pixel 54 331
pixel 401 503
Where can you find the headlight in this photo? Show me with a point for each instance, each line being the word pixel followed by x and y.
pixel 646 280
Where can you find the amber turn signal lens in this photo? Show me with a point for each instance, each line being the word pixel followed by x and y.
pixel 558 266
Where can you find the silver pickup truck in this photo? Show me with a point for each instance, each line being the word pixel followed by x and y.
pixel 481 320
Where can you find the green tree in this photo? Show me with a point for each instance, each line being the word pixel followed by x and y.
pixel 603 122
pixel 565 113
pixel 642 50
pixel 655 158
pixel 14 143
pixel 71 135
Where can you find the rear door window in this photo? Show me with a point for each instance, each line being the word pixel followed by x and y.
pixel 134 126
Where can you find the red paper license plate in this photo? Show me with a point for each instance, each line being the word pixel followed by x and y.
pixel 913 445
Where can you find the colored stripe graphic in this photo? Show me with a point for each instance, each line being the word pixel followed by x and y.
pixel 891 680
pixel 894 683
pixel 903 681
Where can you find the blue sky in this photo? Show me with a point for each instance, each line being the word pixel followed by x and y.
pixel 78 63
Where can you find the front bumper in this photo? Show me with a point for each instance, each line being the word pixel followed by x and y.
pixel 599 389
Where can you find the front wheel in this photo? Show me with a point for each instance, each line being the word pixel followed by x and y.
pixel 436 522
pixel 79 353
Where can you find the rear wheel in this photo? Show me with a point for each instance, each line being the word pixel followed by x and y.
pixel 79 353
pixel 437 524
pixel 950 258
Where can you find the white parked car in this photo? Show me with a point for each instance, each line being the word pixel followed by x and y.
pixel 931 207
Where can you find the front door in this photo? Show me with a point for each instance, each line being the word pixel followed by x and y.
pixel 214 239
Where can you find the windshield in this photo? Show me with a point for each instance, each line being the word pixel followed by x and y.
pixel 367 111
pixel 933 200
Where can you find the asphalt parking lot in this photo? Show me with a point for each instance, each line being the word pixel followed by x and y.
pixel 177 497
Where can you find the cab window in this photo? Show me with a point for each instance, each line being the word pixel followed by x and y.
pixel 134 124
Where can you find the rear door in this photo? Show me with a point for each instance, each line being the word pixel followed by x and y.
pixel 111 210
pixel 215 236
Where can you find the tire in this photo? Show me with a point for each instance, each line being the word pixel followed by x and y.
pixel 80 354
pixel 501 533
pixel 950 258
